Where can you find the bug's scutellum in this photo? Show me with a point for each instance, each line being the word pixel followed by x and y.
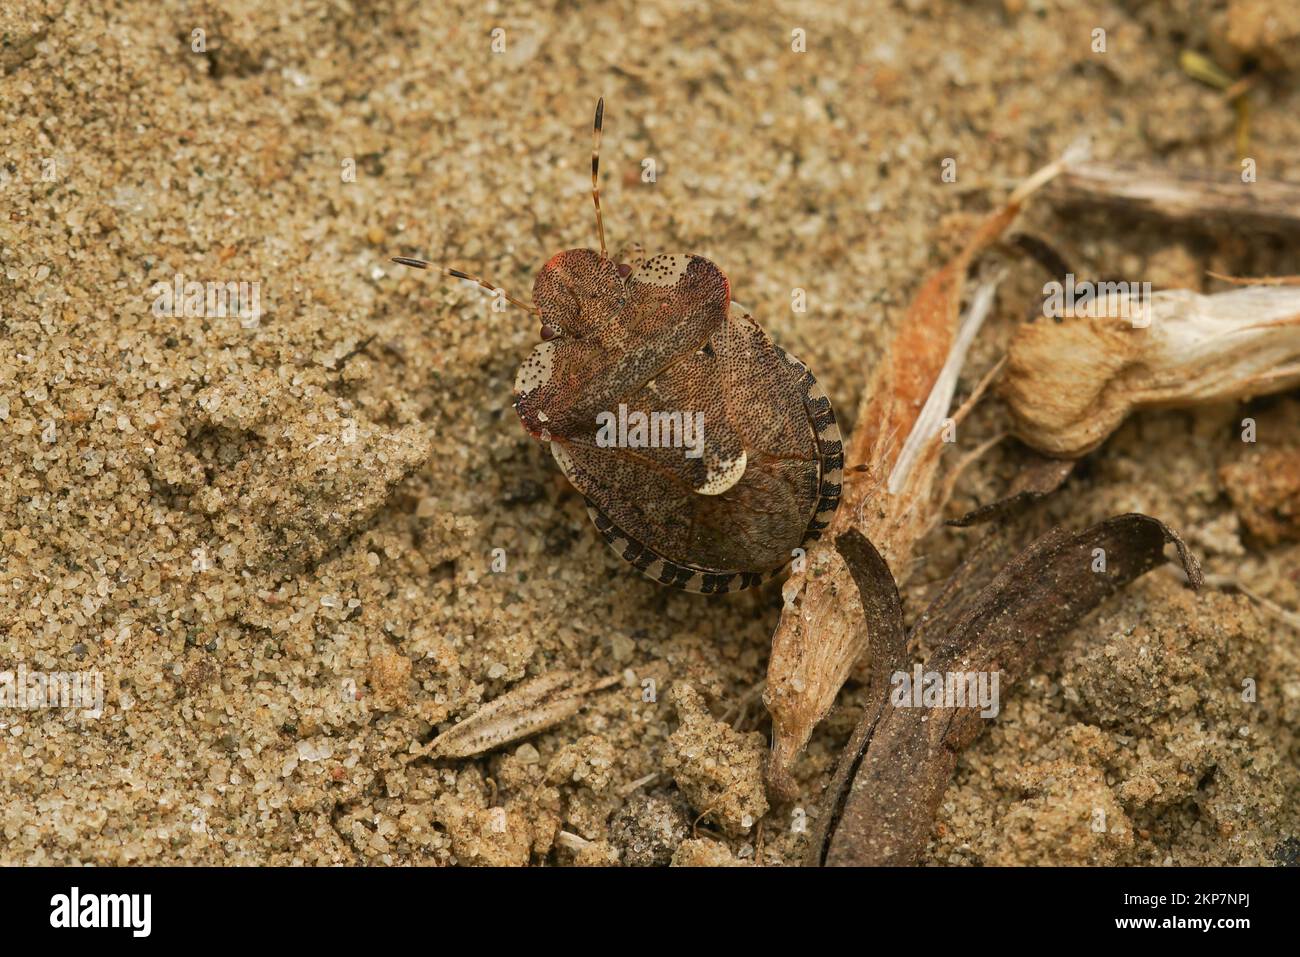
pixel 596 130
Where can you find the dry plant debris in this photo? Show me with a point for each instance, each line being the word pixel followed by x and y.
pixel 881 802
pixel 820 634
pixel 1189 197
pixel 1070 384
pixel 534 706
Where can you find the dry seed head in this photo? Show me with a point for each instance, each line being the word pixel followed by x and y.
pixel 1070 384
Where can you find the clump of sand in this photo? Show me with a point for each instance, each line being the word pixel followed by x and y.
pixel 1156 736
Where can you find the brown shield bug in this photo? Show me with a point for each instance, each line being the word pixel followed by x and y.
pixel 706 454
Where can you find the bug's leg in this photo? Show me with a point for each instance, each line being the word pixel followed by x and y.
pixel 595 170
pixel 457 274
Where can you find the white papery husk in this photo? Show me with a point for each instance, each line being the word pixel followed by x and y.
pixel 1070 383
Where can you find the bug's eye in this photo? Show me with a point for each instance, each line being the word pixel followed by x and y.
pixel 624 270
pixel 549 332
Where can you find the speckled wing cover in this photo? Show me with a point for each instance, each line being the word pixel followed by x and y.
pixel 666 339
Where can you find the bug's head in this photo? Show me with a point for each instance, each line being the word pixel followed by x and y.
pixel 575 293
pixel 577 296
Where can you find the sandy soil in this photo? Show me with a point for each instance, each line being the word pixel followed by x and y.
pixel 274 536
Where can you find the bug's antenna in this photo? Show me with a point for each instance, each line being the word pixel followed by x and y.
pixel 595 170
pixel 457 274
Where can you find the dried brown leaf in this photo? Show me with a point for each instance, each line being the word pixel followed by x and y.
pixel 883 797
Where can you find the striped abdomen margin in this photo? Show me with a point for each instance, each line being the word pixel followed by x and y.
pixel 830 476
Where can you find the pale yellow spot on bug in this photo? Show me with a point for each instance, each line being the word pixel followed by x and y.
pixel 664 270
pixel 723 475
pixel 536 369
pixel 564 460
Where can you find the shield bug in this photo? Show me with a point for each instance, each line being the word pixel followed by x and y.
pixel 707 455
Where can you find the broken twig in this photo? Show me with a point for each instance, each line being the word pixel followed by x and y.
pixel 1192 197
